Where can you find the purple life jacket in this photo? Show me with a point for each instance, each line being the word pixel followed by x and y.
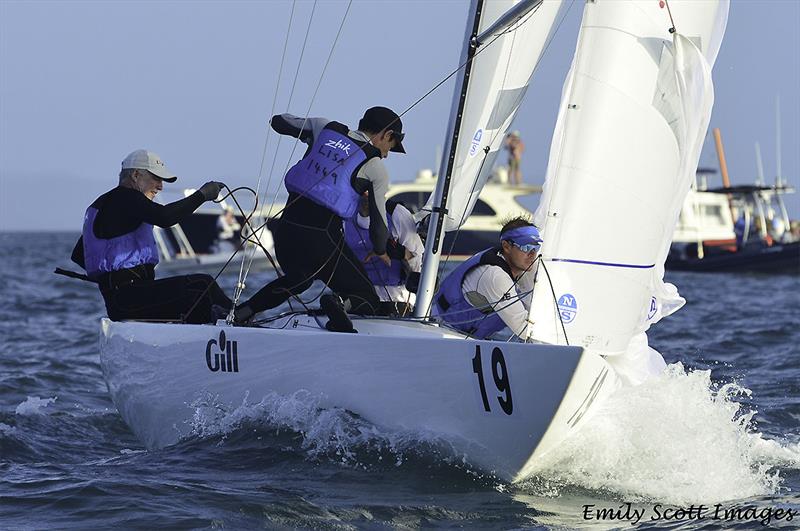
pixel 454 309
pixel 123 252
pixel 379 273
pixel 325 175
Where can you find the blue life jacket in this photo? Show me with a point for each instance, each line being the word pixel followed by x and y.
pixel 325 175
pixel 102 255
pixel 358 240
pixel 452 307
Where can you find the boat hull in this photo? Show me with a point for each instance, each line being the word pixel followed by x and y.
pixel 532 395
pixel 778 258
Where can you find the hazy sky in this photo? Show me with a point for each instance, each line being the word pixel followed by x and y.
pixel 84 83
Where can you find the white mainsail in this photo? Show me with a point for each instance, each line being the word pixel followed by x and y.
pixel 634 112
pixel 499 77
pixel 499 59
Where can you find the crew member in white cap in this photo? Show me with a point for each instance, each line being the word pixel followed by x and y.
pixel 118 251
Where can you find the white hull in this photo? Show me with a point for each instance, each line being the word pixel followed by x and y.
pixel 396 374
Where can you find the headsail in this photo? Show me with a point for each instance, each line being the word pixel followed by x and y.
pixel 634 112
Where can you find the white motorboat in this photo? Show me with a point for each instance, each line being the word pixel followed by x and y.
pixel 193 244
pixel 636 103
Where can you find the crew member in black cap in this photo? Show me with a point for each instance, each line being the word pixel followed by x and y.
pixel 324 187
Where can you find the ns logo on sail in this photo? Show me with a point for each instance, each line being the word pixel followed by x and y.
pixel 227 359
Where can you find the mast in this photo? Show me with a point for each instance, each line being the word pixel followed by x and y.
pixel 779 176
pixel 759 166
pixel 430 260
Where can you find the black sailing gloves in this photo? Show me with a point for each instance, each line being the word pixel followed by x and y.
pixel 211 190
pixel 395 250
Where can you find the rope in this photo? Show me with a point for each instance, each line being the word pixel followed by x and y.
pixel 243 275
pixel 250 254
pixel 555 301
pixel 414 104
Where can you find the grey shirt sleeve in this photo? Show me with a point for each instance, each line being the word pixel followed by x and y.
pixel 374 172
pixel 306 129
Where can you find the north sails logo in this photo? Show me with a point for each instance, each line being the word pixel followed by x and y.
pixel 227 360
pixel 338 144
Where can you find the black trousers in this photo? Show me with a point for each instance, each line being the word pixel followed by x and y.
pixel 308 253
pixel 166 299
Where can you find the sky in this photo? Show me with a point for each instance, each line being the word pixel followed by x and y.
pixel 83 83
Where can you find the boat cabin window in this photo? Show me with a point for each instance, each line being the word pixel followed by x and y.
pixel 712 211
pixel 413 201
pixel 483 209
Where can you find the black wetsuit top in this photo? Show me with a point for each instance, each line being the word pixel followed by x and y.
pixel 122 210
pixel 135 293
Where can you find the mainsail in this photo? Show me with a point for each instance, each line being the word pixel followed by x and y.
pixel 503 44
pixel 634 112
pixel 498 80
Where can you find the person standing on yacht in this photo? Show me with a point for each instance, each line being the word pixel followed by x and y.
pixel 227 232
pixel 118 251
pixel 324 189
pixel 515 148
pixel 484 294
pixel 404 247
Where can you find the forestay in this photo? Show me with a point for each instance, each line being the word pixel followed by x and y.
pixel 634 112
pixel 499 77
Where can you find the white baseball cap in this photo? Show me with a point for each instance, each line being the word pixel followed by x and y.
pixel 141 159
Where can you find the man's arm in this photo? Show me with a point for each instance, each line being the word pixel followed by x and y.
pixel 500 291
pixel 407 235
pixel 140 207
pixel 306 129
pixel 375 179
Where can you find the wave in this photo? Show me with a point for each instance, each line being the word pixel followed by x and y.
pixel 678 438
pixel 298 424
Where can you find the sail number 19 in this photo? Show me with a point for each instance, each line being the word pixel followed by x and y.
pixel 500 376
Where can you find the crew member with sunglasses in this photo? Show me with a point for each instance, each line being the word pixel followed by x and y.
pixel 482 295
pixel 339 166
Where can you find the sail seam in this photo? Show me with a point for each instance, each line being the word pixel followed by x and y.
pixel 605 264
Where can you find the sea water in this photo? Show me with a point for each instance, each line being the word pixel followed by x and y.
pixel 714 441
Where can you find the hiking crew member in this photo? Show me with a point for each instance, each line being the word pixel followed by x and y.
pixel 481 296
pixel 404 248
pixel 324 188
pixel 118 251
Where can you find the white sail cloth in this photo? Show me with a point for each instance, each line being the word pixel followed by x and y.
pixel 634 112
pixel 499 77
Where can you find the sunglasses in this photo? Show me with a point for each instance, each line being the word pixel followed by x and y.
pixel 526 248
pixel 398 136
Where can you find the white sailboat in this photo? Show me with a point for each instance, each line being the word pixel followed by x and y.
pixel 501 405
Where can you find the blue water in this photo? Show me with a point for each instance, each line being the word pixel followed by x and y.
pixel 722 426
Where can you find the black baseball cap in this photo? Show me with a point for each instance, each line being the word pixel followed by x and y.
pixel 377 119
